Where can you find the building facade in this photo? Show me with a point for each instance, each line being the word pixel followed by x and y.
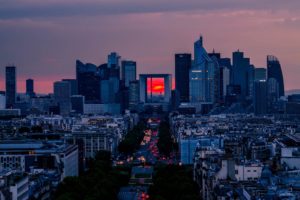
pixel 73 84
pixel 88 81
pixel 128 71
pixel 241 73
pixel 155 88
pixel 30 87
pixel 260 97
pixel 274 71
pixel 183 63
pixel 260 74
pixel 203 76
pixel 134 95
pixel 62 94
pixel 11 86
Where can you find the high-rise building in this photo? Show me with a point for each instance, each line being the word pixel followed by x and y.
pixel 225 81
pixel 30 87
pixel 73 84
pixel 216 81
pixel 274 71
pixel 175 100
pixel 223 76
pixel 88 82
pixel 240 71
pixel 134 95
pixel 122 97
pixel 103 71
pixel 203 76
pixel 128 71
pixel 113 63
pixel 260 74
pixel 109 90
pixel 62 94
pixel 183 63
pixel 2 101
pixel 260 97
pixel 273 94
pixel 113 60
pixel 250 81
pixel 11 86
pixel 77 103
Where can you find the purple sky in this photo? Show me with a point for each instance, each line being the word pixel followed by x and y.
pixel 44 38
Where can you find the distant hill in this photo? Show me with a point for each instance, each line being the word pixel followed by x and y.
pixel 295 91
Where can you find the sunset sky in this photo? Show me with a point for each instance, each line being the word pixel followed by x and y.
pixel 43 38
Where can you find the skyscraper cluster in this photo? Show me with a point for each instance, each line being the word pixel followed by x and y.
pixel 204 81
pixel 107 84
pixel 211 79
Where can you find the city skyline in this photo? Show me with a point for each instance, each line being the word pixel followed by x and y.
pixel 44 87
pixel 143 100
pixel 44 39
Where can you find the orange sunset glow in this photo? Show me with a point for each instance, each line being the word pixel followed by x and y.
pixel 155 86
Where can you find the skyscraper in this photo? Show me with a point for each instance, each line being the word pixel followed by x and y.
pixel 250 81
pixel 30 87
pixel 222 75
pixel 109 89
pixel 183 64
pixel 225 81
pixel 202 75
pixel 241 68
pixel 77 103
pixel 260 97
pixel 113 60
pixel 62 94
pixel 11 86
pixel 273 94
pixel 113 63
pixel 260 74
pixel 88 82
pixel 73 84
pixel 128 71
pixel 134 95
pixel 274 71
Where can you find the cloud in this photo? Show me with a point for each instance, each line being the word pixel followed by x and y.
pixel 44 38
pixel 63 8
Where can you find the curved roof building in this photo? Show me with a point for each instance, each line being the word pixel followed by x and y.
pixel 274 71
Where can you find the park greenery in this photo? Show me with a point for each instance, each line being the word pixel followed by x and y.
pixel 132 140
pixel 101 181
pixel 165 143
pixel 173 182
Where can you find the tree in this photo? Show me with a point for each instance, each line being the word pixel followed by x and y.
pixel 101 181
pixel 174 182
pixel 165 142
pixel 132 140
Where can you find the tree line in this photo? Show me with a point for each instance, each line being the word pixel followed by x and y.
pixel 132 139
pixel 166 143
pixel 101 181
pixel 174 182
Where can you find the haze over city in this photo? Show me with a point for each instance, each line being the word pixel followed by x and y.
pixel 44 38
